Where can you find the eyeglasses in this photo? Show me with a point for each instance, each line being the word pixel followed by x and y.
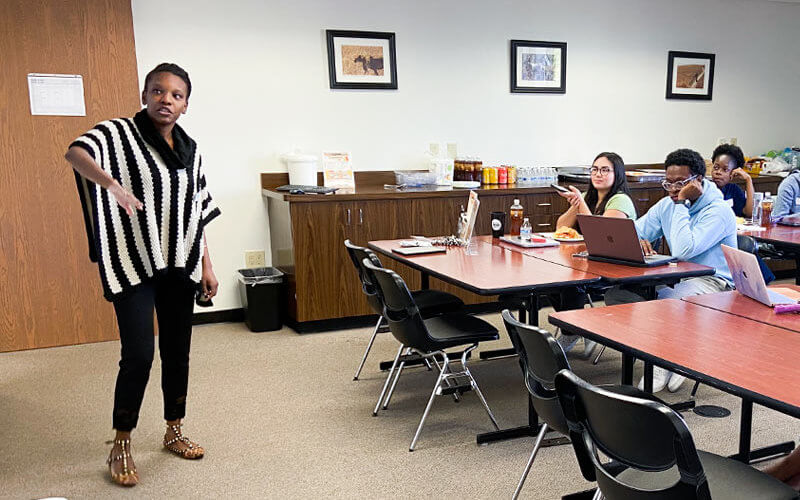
pixel 602 172
pixel 672 186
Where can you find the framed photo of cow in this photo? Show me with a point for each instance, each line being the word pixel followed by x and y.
pixel 538 67
pixel 361 60
pixel 690 75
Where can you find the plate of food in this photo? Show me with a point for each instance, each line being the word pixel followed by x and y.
pixel 566 234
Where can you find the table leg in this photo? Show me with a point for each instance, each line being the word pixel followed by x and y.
pixel 530 429
pixel 745 430
pixel 648 377
pixel 627 368
pixel 533 319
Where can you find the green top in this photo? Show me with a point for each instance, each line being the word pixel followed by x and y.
pixel 623 203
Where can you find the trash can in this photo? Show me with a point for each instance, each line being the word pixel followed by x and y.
pixel 261 291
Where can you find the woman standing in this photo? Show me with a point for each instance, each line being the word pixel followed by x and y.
pixel 608 195
pixel 146 206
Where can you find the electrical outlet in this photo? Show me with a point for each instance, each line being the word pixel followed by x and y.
pixel 254 258
pixel 734 141
pixel 722 140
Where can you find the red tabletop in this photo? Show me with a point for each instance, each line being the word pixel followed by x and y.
pixel 736 303
pixel 736 354
pixel 614 273
pixel 488 269
pixel 781 235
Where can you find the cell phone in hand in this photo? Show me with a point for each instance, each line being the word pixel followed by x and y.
pixel 560 188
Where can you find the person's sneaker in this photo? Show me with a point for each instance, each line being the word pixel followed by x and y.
pixel 567 342
pixel 588 349
pixel 660 379
pixel 675 382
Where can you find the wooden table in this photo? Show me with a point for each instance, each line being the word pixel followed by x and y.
pixel 785 238
pixel 758 362
pixel 487 269
pixel 612 274
pixel 737 304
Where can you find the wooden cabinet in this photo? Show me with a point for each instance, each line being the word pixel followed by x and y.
pixel 307 234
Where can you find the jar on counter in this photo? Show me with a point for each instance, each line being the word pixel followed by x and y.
pixel 478 166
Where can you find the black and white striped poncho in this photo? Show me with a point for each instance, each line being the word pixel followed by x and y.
pixel 167 233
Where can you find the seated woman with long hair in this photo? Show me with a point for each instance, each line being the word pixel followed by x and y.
pixel 608 195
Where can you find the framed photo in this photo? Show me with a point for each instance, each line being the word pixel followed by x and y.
pixel 538 67
pixel 361 60
pixel 690 75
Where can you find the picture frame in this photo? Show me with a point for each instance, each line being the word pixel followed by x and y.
pixel 690 75
pixel 361 59
pixel 538 67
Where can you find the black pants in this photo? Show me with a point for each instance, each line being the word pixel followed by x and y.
pixel 172 297
pixel 568 299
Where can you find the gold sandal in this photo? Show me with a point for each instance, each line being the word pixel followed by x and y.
pixel 193 451
pixel 128 476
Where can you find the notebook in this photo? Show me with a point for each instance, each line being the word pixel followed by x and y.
pixel 418 250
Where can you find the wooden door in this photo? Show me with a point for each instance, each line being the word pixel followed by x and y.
pixel 50 292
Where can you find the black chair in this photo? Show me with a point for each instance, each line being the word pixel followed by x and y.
pixel 430 337
pixel 656 448
pixel 541 358
pixel 430 302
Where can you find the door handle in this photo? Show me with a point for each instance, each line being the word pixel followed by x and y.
pixel 360 216
pixel 348 216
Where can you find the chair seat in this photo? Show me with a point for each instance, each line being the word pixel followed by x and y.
pixel 727 478
pixel 453 329
pixel 433 302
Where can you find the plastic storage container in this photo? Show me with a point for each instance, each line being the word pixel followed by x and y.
pixel 261 291
pixel 414 178
pixel 302 168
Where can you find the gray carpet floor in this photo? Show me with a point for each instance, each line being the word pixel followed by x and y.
pixel 280 417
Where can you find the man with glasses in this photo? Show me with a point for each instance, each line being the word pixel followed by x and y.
pixel 695 220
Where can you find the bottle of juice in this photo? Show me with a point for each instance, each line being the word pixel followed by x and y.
pixel 516 218
pixel 766 210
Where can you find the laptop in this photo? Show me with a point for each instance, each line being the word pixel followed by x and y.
pixel 609 239
pixel 748 278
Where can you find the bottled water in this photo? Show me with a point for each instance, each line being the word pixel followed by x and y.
pixel 525 230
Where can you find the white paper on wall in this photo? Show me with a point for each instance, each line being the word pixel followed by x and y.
pixel 56 95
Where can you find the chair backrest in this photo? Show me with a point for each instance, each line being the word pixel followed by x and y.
pixel 746 243
pixel 357 255
pixel 399 308
pixel 541 358
pixel 641 434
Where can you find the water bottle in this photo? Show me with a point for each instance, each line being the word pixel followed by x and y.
pixel 525 230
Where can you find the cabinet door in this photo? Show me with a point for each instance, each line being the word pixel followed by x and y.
pixel 326 281
pixel 436 216
pixel 384 220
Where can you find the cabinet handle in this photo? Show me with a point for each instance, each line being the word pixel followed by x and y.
pixel 643 199
pixel 360 216
pixel 543 225
pixel 544 205
pixel 348 216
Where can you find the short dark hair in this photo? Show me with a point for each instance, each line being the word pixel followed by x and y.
pixel 734 152
pixel 175 70
pixel 688 157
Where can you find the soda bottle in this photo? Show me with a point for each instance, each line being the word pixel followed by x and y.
pixel 516 217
